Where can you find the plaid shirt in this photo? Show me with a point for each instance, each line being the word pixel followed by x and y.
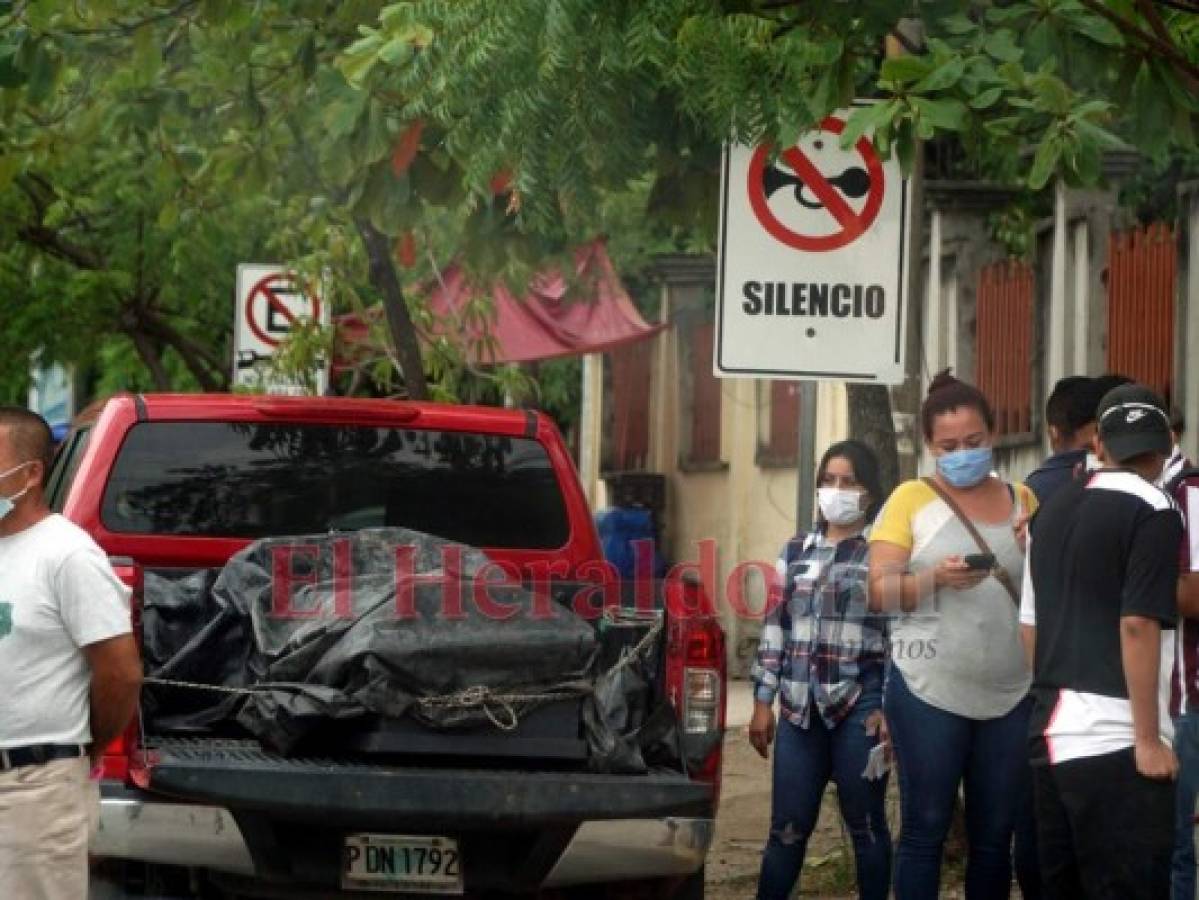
pixel 820 643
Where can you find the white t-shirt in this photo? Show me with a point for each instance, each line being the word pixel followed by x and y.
pixel 58 594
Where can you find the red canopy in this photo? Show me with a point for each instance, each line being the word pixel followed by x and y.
pixel 597 315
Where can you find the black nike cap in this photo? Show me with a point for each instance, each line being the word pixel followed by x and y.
pixel 1133 421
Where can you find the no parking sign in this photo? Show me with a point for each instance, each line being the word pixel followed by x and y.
pixel 271 301
pixel 813 261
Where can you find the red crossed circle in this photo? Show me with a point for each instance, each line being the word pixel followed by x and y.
pixel 262 288
pixel 853 224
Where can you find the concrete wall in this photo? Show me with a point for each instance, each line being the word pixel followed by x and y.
pixel 746 509
pixel 1069 258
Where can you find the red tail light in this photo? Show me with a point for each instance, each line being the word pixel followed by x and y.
pixel 696 674
pixel 117 754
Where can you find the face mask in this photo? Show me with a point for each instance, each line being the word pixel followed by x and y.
pixel 840 507
pixel 7 504
pixel 966 468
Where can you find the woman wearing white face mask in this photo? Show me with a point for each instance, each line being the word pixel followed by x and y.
pixel 947 558
pixel 823 655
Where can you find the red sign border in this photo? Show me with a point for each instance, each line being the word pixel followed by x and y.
pixel 822 243
pixel 260 285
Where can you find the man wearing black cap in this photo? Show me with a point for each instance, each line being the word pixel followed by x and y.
pixel 1100 607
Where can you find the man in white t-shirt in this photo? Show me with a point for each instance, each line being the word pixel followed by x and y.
pixel 69 674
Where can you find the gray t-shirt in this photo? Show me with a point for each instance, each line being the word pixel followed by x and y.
pixel 959 651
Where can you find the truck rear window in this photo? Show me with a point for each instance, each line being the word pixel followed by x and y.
pixel 217 479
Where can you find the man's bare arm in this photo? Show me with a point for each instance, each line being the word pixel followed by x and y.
pixel 1028 637
pixel 116 684
pixel 1188 595
pixel 1140 648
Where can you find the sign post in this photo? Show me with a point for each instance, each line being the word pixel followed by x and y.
pixel 271 301
pixel 813 271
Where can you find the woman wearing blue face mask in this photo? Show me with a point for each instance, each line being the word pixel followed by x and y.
pixel 823 656
pixel 947 559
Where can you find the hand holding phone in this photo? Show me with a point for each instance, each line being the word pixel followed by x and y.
pixel 980 562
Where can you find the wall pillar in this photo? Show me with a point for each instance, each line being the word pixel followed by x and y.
pixel 1081 245
pixel 1188 383
pixel 1055 356
pixel 933 319
pixel 591 425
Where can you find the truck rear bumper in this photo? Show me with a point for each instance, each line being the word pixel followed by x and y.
pixel 178 834
pixel 138 826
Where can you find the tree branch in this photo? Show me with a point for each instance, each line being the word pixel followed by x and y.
pixel 1168 48
pixel 1149 11
pixel 399 322
pixel 149 355
pixel 51 242
pixel 120 29
pixel 203 363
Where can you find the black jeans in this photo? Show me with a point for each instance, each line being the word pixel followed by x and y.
pixel 1105 832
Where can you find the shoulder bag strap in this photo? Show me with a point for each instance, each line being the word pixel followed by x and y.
pixel 999 572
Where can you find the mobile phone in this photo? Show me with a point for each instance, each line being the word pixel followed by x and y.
pixel 980 562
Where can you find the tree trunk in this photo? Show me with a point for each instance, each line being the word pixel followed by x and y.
pixel 870 422
pixel 153 360
pixel 399 323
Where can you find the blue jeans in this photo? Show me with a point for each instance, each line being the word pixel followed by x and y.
pixel 1186 746
pixel 936 751
pixel 804 760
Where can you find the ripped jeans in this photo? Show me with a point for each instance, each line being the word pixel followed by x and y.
pixel 804 761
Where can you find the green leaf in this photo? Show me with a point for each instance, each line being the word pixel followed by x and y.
pixel 9 167
pixel 986 99
pixel 1096 29
pixel 360 57
pixel 905 69
pixel 864 120
pixel 10 75
pixel 1151 112
pixel 1101 137
pixel 943 77
pixel 1006 14
pixel 395 51
pixel 341 116
pixel 959 23
pixel 1088 162
pixel 1092 109
pixel 1040 42
pixel 1045 161
pixel 44 68
pixel 147 56
pixel 947 114
pixel 306 56
pixel 168 216
pixel 825 92
pixel 1002 46
pixel 1052 93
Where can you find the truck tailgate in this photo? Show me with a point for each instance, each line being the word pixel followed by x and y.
pixel 239 775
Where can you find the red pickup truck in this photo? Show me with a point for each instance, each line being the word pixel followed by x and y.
pixel 174 484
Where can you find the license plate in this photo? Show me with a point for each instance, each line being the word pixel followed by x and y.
pixel 402 864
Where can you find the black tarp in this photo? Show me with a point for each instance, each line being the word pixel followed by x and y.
pixel 355 635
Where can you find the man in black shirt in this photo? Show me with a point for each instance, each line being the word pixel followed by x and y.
pixel 1100 606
